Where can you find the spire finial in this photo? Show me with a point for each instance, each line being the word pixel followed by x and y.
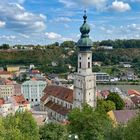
pixel 85 16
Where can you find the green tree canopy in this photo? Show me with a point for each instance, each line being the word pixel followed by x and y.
pixel 106 105
pixel 89 124
pixel 53 131
pixel 68 44
pixel 119 103
pixel 20 126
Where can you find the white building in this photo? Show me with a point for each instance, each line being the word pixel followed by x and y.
pixel 32 90
pixel 102 77
pixel 85 80
pixel 13 104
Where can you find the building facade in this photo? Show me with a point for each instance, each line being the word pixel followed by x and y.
pixel 13 104
pixel 57 101
pixel 102 77
pixel 33 90
pixel 13 68
pixel 85 80
pixel 8 89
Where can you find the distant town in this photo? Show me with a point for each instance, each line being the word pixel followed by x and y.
pixel 69 70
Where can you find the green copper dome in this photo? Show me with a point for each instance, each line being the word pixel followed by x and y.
pixel 85 43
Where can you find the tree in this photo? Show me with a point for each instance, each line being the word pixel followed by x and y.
pixel 89 124
pixel 119 103
pixel 68 44
pixel 117 133
pixel 5 46
pixel 20 126
pixel 53 131
pixel 106 105
pixel 132 131
pixel 95 68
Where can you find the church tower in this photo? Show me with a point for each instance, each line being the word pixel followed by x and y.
pixel 85 80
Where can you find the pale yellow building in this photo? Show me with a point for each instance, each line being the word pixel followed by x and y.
pixel 13 68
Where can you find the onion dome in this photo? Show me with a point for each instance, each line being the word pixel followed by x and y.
pixel 85 43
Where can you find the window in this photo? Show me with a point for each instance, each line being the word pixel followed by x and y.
pixel 88 58
pixel 36 100
pixel 32 100
pixel 79 64
pixel 80 58
pixel 88 64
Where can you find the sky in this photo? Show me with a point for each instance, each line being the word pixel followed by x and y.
pixel 49 21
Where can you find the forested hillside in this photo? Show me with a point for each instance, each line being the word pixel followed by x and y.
pixel 43 56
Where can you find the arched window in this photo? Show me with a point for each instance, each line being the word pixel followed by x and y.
pixel 88 64
pixel 79 64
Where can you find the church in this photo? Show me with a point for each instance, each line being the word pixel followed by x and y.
pixel 59 101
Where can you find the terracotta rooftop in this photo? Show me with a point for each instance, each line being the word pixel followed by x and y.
pixel 58 92
pixel 4 72
pixel 35 71
pixel 20 99
pixel 133 92
pixel 57 108
pixel 2 101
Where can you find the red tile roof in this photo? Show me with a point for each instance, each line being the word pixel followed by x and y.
pixel 2 101
pixel 133 92
pixel 4 73
pixel 58 92
pixel 58 108
pixel 20 99
pixel 35 71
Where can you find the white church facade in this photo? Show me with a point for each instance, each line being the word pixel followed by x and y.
pixel 59 101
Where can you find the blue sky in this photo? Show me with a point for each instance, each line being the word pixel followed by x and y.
pixel 48 21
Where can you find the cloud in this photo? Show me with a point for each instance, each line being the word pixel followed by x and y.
pixel 95 3
pixel 53 36
pixel 10 37
pixel 84 3
pixel 57 37
pixel 2 24
pixel 68 3
pixel 24 35
pixel 62 19
pixel 120 6
pixel 18 19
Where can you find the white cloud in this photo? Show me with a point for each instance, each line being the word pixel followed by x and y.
pixel 57 37
pixel 10 37
pixel 24 35
pixel 62 19
pixel 53 36
pixel 99 4
pixel 67 3
pixel 66 39
pixel 18 19
pixel 96 3
pixel 120 6
pixel 2 24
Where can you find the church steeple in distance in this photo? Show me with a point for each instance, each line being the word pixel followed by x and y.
pixel 85 79
pixel 85 43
